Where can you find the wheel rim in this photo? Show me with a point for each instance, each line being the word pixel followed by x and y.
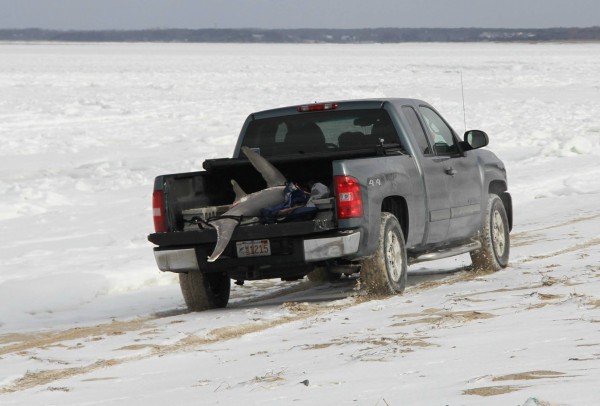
pixel 498 235
pixel 393 256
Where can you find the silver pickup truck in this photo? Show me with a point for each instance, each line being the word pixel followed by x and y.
pixel 395 185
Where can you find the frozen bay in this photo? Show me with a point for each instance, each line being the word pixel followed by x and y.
pixel 84 129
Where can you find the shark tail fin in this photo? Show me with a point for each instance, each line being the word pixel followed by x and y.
pixel 270 174
pixel 239 192
pixel 224 228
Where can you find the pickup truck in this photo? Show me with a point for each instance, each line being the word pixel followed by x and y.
pixel 403 188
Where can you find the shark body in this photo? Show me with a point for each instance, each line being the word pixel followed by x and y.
pixel 248 205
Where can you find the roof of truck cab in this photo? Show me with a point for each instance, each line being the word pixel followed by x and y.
pixel 341 105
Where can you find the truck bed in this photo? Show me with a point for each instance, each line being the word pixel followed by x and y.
pixel 195 191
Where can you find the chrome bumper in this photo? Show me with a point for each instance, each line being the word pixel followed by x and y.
pixel 177 260
pixel 334 247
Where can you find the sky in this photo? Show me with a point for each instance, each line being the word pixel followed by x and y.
pixel 143 14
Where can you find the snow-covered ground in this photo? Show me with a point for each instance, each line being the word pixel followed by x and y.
pixel 87 319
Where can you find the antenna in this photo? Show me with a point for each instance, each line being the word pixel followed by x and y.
pixel 462 88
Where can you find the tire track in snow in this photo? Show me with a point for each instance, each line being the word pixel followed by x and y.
pixel 24 342
pixel 535 235
pixel 583 245
pixel 19 342
pixel 189 343
pixel 299 312
pixel 192 342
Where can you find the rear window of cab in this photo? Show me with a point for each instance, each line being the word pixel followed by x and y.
pixel 320 131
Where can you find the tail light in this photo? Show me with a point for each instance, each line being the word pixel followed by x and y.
pixel 158 211
pixel 317 107
pixel 348 197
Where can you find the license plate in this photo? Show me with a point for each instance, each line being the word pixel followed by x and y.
pixel 255 248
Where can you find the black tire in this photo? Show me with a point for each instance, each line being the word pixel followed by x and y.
pixel 204 291
pixel 385 272
pixel 495 238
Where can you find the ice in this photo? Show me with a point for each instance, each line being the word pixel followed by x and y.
pixel 87 319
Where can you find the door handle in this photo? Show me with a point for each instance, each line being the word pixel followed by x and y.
pixel 450 171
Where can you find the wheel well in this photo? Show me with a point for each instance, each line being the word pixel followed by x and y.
pixel 499 188
pixel 398 207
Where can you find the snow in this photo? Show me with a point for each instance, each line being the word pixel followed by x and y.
pixel 87 319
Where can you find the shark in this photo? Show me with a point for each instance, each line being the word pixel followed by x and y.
pixel 248 205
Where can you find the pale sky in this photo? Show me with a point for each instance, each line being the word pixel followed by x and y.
pixel 141 14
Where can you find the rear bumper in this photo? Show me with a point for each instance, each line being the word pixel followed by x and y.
pixel 178 260
pixel 319 249
pixel 313 250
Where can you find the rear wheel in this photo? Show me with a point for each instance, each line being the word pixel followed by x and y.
pixel 204 291
pixel 495 240
pixel 385 272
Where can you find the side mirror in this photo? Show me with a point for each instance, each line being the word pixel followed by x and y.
pixel 476 139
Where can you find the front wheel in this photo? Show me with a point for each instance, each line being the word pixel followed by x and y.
pixel 204 291
pixel 385 272
pixel 495 240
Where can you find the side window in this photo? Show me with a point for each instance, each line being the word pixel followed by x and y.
pixel 443 140
pixel 281 132
pixel 417 129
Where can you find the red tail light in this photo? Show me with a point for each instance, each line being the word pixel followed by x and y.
pixel 348 197
pixel 317 107
pixel 158 211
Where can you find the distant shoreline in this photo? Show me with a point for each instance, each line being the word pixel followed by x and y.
pixel 317 35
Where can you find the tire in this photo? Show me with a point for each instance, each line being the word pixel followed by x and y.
pixel 204 291
pixel 495 239
pixel 385 272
